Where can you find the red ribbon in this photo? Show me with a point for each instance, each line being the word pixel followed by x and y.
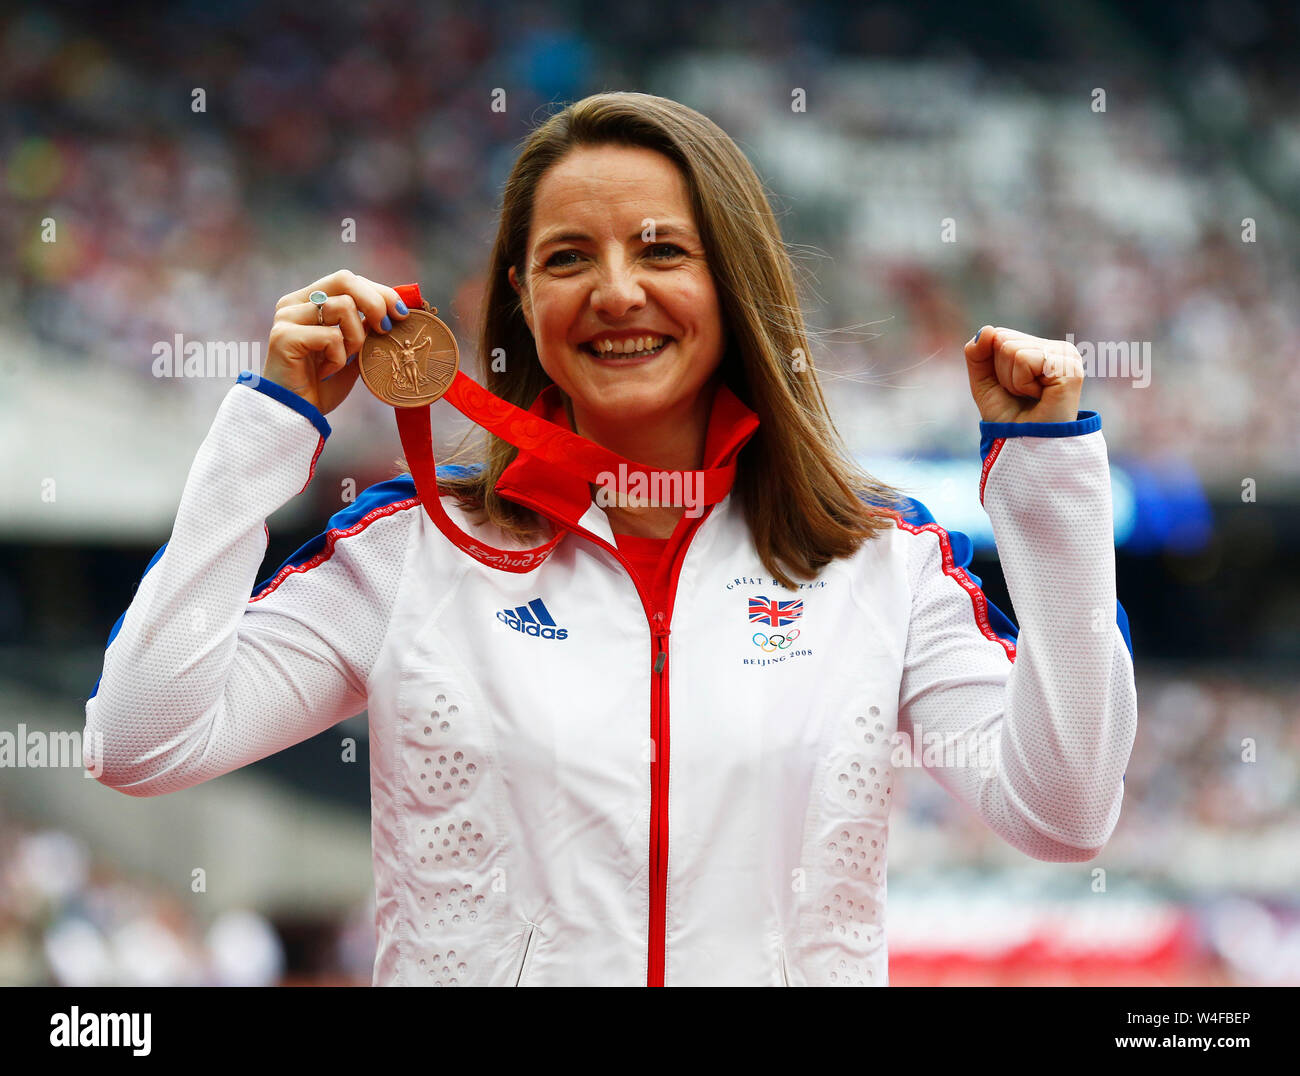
pixel 564 449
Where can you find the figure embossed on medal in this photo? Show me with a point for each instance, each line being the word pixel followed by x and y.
pixel 406 363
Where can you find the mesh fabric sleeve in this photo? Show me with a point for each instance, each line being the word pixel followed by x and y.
pixel 201 675
pixel 1033 734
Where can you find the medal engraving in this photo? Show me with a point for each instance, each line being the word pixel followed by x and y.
pixel 412 365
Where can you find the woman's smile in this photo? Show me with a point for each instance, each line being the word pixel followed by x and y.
pixel 633 352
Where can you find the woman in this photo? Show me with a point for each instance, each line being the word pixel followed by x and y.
pixel 665 754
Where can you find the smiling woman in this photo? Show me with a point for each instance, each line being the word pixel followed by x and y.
pixel 661 748
pixel 625 322
pixel 629 220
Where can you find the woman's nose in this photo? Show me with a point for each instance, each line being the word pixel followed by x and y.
pixel 618 290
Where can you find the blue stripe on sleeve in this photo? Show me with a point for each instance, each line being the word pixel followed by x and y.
pixel 918 515
pixel 1121 618
pixel 400 488
pixel 1086 422
pixel 376 496
pixel 963 549
pixel 269 388
pixel 118 625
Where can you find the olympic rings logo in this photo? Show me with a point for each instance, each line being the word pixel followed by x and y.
pixel 770 644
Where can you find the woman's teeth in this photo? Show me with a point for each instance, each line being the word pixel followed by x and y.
pixel 634 348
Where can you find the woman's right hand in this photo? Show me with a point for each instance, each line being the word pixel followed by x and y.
pixel 311 359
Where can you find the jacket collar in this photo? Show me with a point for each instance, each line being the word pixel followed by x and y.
pixel 535 483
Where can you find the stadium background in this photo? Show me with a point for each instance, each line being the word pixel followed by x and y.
pixel 1128 224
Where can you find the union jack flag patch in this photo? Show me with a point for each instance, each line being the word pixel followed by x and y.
pixel 775 614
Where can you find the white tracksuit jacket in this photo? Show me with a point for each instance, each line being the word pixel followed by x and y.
pixel 521 834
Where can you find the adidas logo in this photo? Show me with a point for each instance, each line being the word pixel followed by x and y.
pixel 533 619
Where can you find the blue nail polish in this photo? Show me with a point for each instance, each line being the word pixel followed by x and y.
pixel 975 337
pixel 386 324
pixel 401 308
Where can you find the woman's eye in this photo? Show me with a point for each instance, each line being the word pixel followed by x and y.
pixel 551 261
pixel 672 248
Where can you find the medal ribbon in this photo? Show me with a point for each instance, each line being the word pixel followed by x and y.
pixel 564 449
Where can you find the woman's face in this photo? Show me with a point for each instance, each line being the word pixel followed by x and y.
pixel 614 255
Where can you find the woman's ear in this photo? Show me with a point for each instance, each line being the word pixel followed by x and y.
pixel 523 297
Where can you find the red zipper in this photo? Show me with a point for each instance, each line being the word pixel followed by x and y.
pixel 659 622
pixel 658 801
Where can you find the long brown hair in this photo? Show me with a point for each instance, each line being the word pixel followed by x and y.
pixel 804 500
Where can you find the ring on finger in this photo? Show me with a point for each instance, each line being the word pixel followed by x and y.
pixel 318 297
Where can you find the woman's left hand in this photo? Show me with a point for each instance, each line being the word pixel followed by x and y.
pixel 1015 377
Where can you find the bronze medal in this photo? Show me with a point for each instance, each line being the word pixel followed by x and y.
pixel 412 365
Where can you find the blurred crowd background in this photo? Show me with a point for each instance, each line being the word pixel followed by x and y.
pixel 934 169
